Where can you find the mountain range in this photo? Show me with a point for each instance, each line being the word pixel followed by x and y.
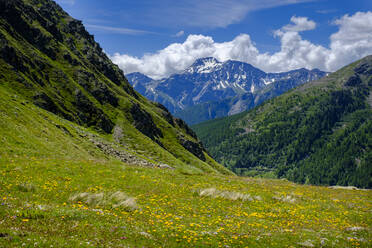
pixel 210 89
pixel 317 133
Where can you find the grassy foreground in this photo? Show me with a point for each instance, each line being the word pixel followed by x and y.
pixel 40 206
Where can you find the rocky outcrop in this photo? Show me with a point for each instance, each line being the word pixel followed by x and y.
pixel 98 89
pixel 185 127
pixel 165 113
pixel 144 123
pixel 115 151
pixel 195 148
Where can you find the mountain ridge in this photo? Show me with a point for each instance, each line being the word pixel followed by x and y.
pixel 228 87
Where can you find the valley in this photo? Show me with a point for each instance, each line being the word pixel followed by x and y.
pixel 88 160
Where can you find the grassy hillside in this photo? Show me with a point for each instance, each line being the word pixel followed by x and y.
pixel 48 59
pixel 318 133
pixel 86 202
pixel 59 188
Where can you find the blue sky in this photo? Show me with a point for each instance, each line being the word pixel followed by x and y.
pixel 132 29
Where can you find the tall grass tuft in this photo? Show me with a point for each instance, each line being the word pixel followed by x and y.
pixel 287 198
pixel 26 187
pixel 229 195
pixel 113 200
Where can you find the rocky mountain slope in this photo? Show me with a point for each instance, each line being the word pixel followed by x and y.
pixel 49 60
pixel 209 89
pixel 318 133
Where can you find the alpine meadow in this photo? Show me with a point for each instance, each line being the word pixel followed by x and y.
pixel 86 160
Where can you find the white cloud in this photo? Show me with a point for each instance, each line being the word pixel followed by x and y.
pixel 352 41
pixel 179 34
pixel 117 30
pixel 299 24
pixel 176 57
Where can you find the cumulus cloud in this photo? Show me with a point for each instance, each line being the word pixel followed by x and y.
pixel 298 24
pixel 352 41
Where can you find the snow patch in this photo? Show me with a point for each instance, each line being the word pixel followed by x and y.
pixel 208 66
pixel 252 88
pixel 268 81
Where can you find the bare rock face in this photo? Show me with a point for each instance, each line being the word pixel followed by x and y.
pixel 195 148
pixel 165 113
pixel 144 123
pixel 182 124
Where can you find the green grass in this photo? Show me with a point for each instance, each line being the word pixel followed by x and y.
pixel 171 210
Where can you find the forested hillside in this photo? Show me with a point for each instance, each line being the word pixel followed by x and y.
pixel 318 133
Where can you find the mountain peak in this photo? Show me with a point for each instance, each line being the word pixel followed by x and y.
pixel 204 65
pixel 206 60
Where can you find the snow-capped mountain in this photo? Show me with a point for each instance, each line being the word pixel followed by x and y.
pixel 208 80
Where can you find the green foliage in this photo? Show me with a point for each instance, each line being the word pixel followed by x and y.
pixel 319 133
